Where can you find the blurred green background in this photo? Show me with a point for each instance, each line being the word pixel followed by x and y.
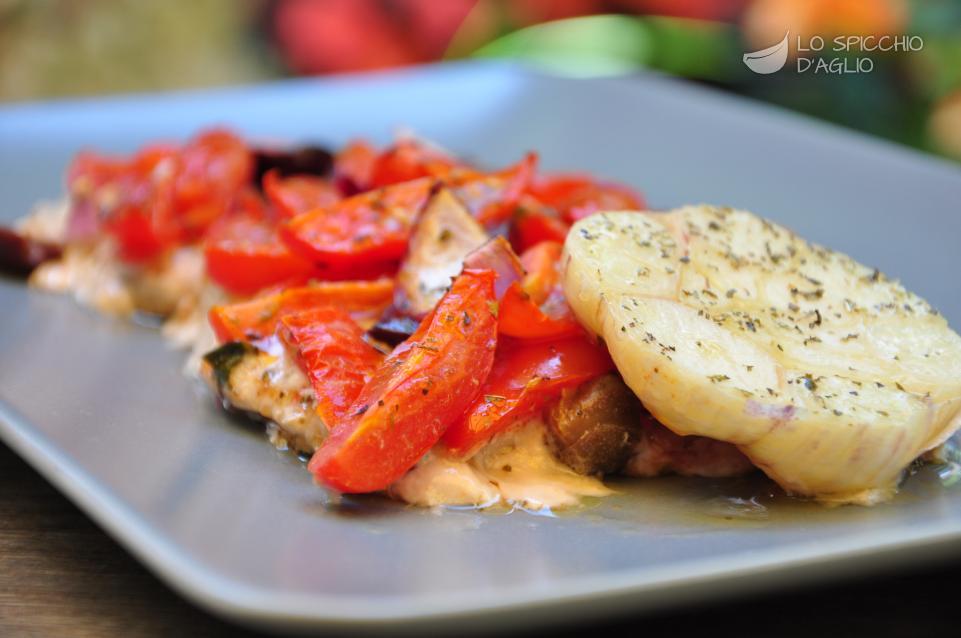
pixel 54 48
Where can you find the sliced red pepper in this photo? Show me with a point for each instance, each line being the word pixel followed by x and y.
pixel 330 349
pixel 423 387
pixel 577 196
pixel 531 227
pixel 259 318
pixel 244 254
pixel 298 194
pixel 372 226
pixel 523 379
pixel 408 160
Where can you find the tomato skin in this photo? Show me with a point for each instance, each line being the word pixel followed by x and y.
pixel 137 239
pixel 372 226
pixel 493 198
pixel 211 168
pixel 298 194
pixel 424 386
pixel 330 349
pixel 128 200
pixel 577 196
pixel 522 318
pixel 530 228
pixel 259 318
pixel 541 264
pixel 408 160
pixel 535 308
pixel 524 378
pixel 244 254
pixel 161 197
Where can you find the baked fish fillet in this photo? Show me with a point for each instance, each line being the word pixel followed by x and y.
pixel 830 377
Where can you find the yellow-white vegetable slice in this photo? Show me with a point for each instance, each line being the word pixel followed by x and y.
pixel 829 376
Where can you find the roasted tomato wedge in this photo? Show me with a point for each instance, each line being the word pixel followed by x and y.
pixel 577 196
pixel 522 318
pixel 541 265
pixel 535 307
pixel 211 168
pixel 408 160
pixel 160 198
pixel 330 349
pixel 135 204
pixel 424 386
pixel 259 318
pixel 492 198
pixel 523 379
pixel 244 254
pixel 372 226
pixel 298 194
pixel 533 224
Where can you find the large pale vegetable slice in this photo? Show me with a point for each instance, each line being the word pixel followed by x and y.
pixel 830 377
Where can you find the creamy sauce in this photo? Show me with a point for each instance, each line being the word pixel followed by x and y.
pixel 515 468
pixel 91 274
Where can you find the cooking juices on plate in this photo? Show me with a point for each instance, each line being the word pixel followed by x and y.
pixel 454 335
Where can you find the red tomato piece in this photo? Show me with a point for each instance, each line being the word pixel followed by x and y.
pixel 493 198
pixel 535 307
pixel 211 168
pixel 524 378
pixel 522 318
pixel 159 198
pixel 533 227
pixel 541 264
pixel 424 386
pixel 372 226
pixel 137 238
pixel 129 201
pixel 577 196
pixel 259 318
pixel 408 160
pixel 298 194
pixel 330 349
pixel 244 254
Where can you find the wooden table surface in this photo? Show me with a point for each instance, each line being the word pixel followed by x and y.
pixel 61 576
